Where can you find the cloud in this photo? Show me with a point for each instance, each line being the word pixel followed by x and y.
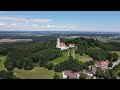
pixel 3 23
pixel 23 19
pixel 23 23
pixel 40 20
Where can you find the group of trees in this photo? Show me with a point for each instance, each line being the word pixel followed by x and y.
pixel 108 74
pixel 85 43
pixel 46 55
pixel 73 65
pixel 96 49
pixel 99 54
pixel 27 56
pixel 7 75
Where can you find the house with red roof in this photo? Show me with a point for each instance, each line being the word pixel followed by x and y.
pixel 103 65
pixel 70 74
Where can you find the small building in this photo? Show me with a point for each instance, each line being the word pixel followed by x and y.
pixel 70 74
pixel 71 45
pixel 89 73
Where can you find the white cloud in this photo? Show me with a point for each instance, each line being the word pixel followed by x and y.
pixel 3 23
pixel 22 23
pixel 23 19
pixel 13 24
pixel 40 20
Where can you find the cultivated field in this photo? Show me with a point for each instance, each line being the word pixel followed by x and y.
pixel 36 73
pixel 2 58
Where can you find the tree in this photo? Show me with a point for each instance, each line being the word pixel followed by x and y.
pixel 83 76
pixel 110 64
pixel 85 66
pixel 119 74
pixel 10 66
pixel 56 76
pixel 2 73
pixel 0 60
pixel 70 57
pixel 114 75
pixel 7 75
pixel 115 57
pixel 99 73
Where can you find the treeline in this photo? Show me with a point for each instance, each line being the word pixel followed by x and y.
pixel 100 54
pixel 96 49
pixel 28 56
pixel 73 65
pixel 85 43
pixel 46 55
pixel 7 75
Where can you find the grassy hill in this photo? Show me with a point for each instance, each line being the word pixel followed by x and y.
pixel 2 58
pixel 36 73
pixel 60 59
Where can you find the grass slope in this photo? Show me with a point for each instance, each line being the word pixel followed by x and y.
pixel 2 58
pixel 84 58
pixel 36 73
pixel 60 59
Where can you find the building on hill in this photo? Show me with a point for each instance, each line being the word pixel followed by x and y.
pixel 103 65
pixel 62 46
pixel 71 45
pixel 70 74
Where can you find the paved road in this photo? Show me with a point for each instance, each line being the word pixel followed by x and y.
pixel 115 63
pixel 74 54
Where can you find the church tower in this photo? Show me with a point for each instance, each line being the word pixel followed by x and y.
pixel 58 42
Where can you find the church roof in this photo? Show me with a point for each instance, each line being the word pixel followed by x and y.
pixel 62 44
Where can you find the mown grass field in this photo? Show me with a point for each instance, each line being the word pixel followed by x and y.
pixel 84 58
pixel 2 58
pixel 36 73
pixel 89 77
pixel 60 59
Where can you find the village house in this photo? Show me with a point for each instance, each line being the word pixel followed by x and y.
pixel 103 65
pixel 70 74
pixel 89 73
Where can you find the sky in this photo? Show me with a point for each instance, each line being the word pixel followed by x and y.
pixel 108 21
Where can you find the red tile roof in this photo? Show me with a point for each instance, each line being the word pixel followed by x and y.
pixel 62 44
pixel 102 63
pixel 71 74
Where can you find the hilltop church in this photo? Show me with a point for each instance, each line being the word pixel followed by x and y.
pixel 62 45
